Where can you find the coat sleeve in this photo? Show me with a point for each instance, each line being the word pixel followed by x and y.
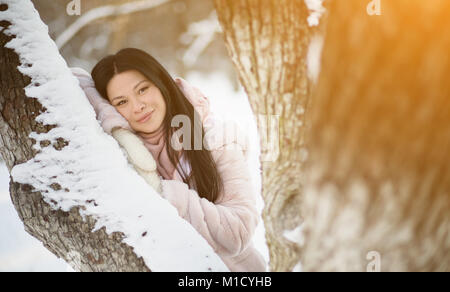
pixel 228 224
pixel 108 116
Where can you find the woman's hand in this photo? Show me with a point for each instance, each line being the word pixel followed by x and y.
pixel 139 156
pixel 108 116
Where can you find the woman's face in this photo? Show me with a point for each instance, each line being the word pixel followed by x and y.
pixel 138 100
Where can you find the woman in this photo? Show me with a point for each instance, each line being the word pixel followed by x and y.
pixel 211 188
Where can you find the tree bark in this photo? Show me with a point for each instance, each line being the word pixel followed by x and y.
pixel 378 173
pixel 374 191
pixel 65 234
pixel 268 42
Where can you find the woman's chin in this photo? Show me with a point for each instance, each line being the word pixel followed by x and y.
pixel 145 128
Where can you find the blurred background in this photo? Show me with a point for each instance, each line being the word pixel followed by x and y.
pixel 183 35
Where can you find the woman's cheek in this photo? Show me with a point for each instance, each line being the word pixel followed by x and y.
pixel 125 113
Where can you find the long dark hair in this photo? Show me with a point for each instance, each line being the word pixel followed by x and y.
pixel 204 175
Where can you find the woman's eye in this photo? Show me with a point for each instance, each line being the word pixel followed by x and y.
pixel 142 90
pixel 121 102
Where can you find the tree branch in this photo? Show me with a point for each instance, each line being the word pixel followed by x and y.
pixel 102 12
pixel 70 182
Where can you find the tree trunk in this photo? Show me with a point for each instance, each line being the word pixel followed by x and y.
pixel 65 234
pixel 378 185
pixel 78 194
pixel 268 42
pixel 374 193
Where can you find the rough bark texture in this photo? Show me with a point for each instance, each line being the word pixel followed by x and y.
pixel 64 233
pixel 378 172
pixel 268 41
pixel 377 181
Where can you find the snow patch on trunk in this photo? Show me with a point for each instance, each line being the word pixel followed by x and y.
pixel 316 10
pixel 313 58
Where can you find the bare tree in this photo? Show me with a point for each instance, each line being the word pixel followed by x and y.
pixel 378 186
pixel 268 43
pixel 374 193
pixel 65 234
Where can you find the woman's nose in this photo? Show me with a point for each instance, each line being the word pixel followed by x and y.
pixel 139 106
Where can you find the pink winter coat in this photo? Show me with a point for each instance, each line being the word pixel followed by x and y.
pixel 228 224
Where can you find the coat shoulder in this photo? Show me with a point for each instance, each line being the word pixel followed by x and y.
pixel 224 134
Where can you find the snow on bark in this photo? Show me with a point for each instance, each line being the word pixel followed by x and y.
pixel 91 171
pixel 316 10
pixel 313 58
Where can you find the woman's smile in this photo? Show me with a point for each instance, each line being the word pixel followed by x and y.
pixel 146 117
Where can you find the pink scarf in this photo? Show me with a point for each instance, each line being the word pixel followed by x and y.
pixel 155 143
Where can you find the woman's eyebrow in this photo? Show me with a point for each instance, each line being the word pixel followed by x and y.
pixel 133 89
pixel 139 83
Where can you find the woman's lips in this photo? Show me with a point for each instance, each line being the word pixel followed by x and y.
pixel 146 118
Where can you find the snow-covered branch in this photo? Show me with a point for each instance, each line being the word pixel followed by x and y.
pixel 104 11
pixel 90 171
pixel 199 35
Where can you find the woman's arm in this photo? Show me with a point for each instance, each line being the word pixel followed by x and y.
pixel 107 115
pixel 229 224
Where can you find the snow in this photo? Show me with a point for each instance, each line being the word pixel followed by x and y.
pixel 313 58
pixel 199 36
pixel 297 267
pixel 19 251
pixel 316 10
pixel 92 166
pixel 295 235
